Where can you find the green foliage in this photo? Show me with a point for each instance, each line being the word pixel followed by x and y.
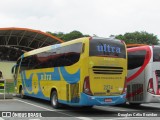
pixel 72 35
pixel 139 38
pixel 129 38
pixel 59 34
pixel 68 36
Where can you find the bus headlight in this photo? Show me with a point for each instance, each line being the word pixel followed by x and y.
pixel 86 90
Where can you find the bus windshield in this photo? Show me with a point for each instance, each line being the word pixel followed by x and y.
pixel 136 59
pixel 156 54
pixel 107 47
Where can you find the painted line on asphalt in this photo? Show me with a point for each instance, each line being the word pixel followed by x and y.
pixel 34 119
pixel 35 105
pixel 6 100
pixel 82 118
pixel 118 109
pixel 123 118
pixel 1 118
pixel 43 107
pixel 112 108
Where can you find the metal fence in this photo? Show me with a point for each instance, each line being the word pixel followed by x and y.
pixel 8 87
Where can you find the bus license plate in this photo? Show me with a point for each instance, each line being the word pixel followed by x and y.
pixel 108 100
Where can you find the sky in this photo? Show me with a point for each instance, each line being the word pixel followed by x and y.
pixel 94 17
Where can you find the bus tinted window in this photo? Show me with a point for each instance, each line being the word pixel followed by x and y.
pixel 136 59
pixel 106 47
pixel 63 56
pixel 156 54
pixel 24 64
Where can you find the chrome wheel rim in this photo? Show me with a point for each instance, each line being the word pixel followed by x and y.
pixel 54 100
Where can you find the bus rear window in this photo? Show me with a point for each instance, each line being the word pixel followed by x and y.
pixel 107 47
pixel 156 54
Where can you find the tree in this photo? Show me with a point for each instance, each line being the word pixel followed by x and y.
pixel 72 35
pixel 69 36
pixel 58 34
pixel 139 38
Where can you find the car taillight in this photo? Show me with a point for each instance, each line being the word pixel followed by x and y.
pixel 157 73
pixel 150 88
pixel 86 86
pixel 125 86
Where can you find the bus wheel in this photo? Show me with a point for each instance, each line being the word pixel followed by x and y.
pixel 54 100
pixel 22 93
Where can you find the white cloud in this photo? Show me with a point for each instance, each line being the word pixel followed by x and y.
pixel 100 17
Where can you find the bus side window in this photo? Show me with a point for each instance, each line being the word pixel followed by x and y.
pixel 156 57
pixel 24 64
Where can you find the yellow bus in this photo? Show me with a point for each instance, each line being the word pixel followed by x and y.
pixel 83 72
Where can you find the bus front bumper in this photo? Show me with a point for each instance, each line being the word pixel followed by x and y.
pixel 88 100
pixel 151 98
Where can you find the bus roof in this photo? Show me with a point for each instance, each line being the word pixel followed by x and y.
pixel 135 45
pixel 50 47
pixel 43 49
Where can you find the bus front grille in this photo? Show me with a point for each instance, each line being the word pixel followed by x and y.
pixel 135 92
pixel 129 92
pixel 107 70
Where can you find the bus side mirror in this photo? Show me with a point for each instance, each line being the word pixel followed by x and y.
pixel 13 69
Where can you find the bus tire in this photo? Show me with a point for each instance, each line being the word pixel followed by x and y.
pixel 22 93
pixel 135 104
pixel 54 100
pixel 88 107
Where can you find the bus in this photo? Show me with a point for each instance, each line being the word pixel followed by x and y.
pixel 83 72
pixel 143 79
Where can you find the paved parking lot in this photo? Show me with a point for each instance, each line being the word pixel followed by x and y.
pixel 39 109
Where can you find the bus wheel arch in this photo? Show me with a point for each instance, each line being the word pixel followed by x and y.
pixel 54 98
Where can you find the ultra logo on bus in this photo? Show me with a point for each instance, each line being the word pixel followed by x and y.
pixel 55 74
pixel 108 48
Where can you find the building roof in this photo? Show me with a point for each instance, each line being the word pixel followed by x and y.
pixel 26 39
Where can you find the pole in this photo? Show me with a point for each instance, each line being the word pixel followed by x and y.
pixel 4 89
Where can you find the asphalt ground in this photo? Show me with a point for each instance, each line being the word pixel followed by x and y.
pixel 36 109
